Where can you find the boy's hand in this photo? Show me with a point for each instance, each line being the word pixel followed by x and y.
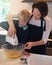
pixel 12 31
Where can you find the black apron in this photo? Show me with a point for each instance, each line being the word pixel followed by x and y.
pixel 35 34
pixel 32 34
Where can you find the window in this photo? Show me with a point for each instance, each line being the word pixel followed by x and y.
pixel 4 9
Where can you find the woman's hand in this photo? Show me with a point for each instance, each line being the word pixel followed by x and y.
pixel 12 31
pixel 25 53
pixel 28 45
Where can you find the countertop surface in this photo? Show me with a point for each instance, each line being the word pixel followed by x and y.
pixel 3 31
pixel 4 60
pixel 34 59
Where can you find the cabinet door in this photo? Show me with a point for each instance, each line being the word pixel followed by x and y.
pixel 36 0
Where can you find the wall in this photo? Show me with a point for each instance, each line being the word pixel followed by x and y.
pixel 17 5
pixel 50 9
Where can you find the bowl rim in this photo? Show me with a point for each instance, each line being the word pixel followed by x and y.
pixel 3 47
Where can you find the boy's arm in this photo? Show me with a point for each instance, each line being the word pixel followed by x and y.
pixel 12 29
pixel 10 21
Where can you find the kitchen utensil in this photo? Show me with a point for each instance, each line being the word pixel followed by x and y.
pixel 11 52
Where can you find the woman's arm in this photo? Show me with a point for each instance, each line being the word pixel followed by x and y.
pixel 46 33
pixel 28 45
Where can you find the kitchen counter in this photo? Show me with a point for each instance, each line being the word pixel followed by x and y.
pixel 34 59
pixel 3 31
pixel 11 62
pixel 4 60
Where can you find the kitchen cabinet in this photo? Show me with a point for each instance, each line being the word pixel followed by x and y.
pixel 49 45
pixel 36 0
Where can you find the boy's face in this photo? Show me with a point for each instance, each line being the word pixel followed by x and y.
pixel 23 23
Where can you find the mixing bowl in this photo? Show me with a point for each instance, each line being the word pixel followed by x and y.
pixel 13 51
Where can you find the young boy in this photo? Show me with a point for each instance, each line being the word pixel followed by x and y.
pixel 21 26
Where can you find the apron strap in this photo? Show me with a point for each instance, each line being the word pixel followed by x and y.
pixel 44 27
pixel 42 20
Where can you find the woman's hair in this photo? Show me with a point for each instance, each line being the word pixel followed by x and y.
pixel 24 15
pixel 42 7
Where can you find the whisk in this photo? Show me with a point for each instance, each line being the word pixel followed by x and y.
pixel 12 41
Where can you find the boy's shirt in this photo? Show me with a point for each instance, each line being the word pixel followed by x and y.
pixel 24 28
pixel 22 32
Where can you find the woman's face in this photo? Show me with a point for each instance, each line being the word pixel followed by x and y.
pixel 36 14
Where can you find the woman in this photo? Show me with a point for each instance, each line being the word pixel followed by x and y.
pixel 39 29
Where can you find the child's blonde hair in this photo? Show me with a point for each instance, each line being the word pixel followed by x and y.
pixel 24 15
